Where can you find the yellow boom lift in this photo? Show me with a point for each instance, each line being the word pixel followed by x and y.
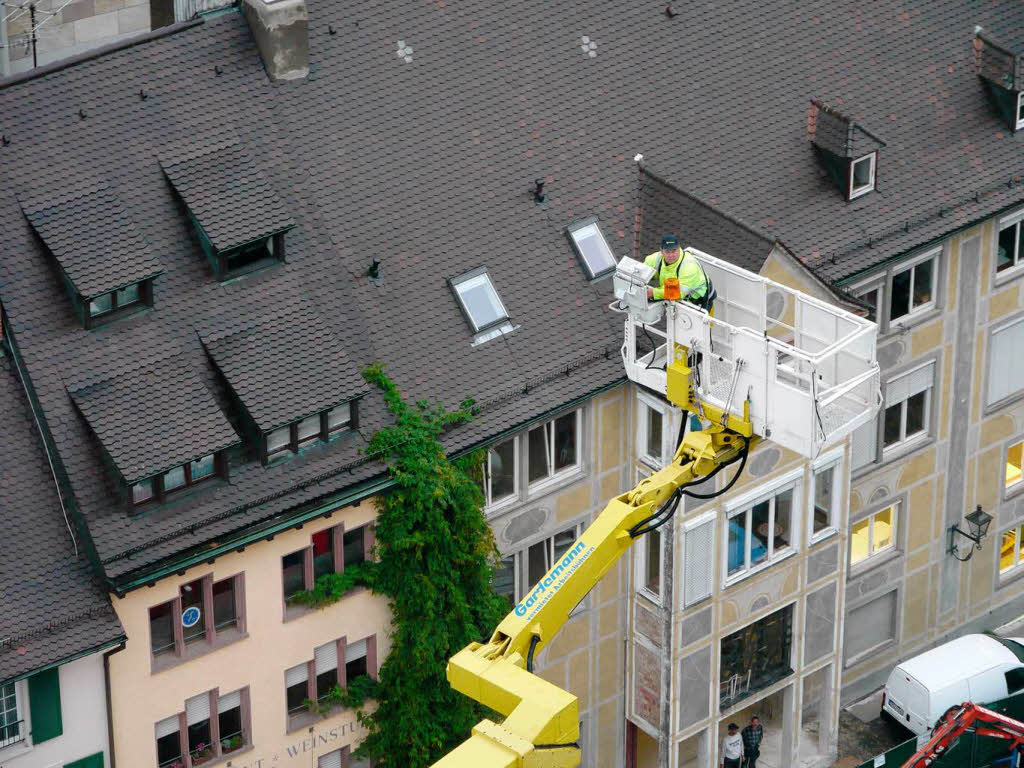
pixel 805 375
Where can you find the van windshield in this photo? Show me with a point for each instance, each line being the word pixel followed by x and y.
pixel 1013 646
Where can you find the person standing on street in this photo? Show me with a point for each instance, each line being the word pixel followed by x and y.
pixel 752 736
pixel 732 747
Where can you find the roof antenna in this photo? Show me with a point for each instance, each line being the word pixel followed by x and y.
pixel 142 94
pixel 538 191
pixel 331 30
pixel 671 12
pixel 6 140
pixel 82 114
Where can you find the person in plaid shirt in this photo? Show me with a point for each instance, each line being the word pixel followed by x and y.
pixel 752 736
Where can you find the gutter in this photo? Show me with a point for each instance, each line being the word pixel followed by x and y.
pixel 359 493
pixel 110 711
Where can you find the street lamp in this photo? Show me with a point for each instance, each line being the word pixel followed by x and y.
pixel 978 522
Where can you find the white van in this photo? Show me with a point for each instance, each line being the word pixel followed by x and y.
pixel 977 668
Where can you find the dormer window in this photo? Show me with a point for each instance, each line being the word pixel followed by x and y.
pixel 592 249
pixel 154 446
pixel 238 217
pixel 1020 111
pixel 862 176
pixel 847 150
pixel 288 375
pixel 481 305
pixel 105 264
pixel 1001 67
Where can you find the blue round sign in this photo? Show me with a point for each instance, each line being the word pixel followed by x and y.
pixel 190 616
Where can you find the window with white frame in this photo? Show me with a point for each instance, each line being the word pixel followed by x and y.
pixel 1010 243
pixel 501 472
pixel 518 572
pixel 1013 476
pixel 479 299
pixel 873 293
pixel 862 175
pixel 1010 556
pixel 1020 111
pixel 825 496
pixel 553 448
pixel 12 719
pixel 651 564
pixel 913 288
pixel 908 398
pixel 654 442
pixel 760 530
pixel 592 249
pixel 1005 362
pixel 873 534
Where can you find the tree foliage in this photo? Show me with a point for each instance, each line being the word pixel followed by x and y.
pixel 434 558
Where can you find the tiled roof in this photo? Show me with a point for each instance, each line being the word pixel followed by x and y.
pixel 91 234
pixel 154 418
pixel 53 606
pixel 428 164
pixel 283 363
pixel 231 198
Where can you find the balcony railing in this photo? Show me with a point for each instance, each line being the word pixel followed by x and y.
pixel 13 732
pixel 740 686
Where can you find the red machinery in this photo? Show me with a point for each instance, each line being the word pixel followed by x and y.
pixel 967 718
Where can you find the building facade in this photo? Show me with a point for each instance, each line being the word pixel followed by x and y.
pixel 230 662
pixel 946 442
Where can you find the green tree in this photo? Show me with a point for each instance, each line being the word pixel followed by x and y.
pixel 434 558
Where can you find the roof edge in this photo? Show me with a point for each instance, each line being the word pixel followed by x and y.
pixel 95 53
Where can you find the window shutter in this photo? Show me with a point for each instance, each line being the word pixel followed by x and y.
pixel 326 658
pixel 355 651
pixel 167 727
pixel 295 675
pixel 330 760
pixel 1005 362
pixel 909 384
pixel 44 705
pixel 197 709
pixel 92 761
pixel 229 702
pixel 865 444
pixel 698 563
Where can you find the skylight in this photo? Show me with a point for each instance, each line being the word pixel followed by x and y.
pixel 862 175
pixel 592 249
pixel 479 300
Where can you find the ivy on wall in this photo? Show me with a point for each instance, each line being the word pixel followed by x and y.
pixel 434 557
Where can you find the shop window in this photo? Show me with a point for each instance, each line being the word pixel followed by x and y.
pixel 755 657
pixel 761 533
pixel 1012 478
pixel 205 613
pixel 329 551
pixel 873 534
pixel 553 447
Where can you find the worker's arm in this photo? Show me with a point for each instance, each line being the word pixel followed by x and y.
pixel 541 720
pixel 654 262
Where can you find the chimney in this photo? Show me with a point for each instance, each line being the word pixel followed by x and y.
pixel 281 30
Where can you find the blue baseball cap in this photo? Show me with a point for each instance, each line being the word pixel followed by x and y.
pixel 669 241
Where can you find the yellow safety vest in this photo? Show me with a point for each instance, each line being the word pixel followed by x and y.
pixel 693 282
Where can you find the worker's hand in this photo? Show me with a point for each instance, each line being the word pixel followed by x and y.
pixel 650 292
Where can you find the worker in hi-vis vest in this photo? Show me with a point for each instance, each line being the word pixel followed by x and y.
pixel 680 276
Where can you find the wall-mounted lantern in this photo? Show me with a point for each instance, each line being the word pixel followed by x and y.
pixel 978 522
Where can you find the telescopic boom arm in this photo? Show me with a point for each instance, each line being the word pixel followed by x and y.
pixel 541 722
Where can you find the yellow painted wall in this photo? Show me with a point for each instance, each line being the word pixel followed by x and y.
pixel 139 698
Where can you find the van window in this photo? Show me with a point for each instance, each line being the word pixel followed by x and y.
pixel 1015 680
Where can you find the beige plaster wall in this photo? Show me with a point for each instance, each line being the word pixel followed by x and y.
pixel 140 698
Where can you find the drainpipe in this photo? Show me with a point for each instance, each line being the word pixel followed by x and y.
pixel 110 713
